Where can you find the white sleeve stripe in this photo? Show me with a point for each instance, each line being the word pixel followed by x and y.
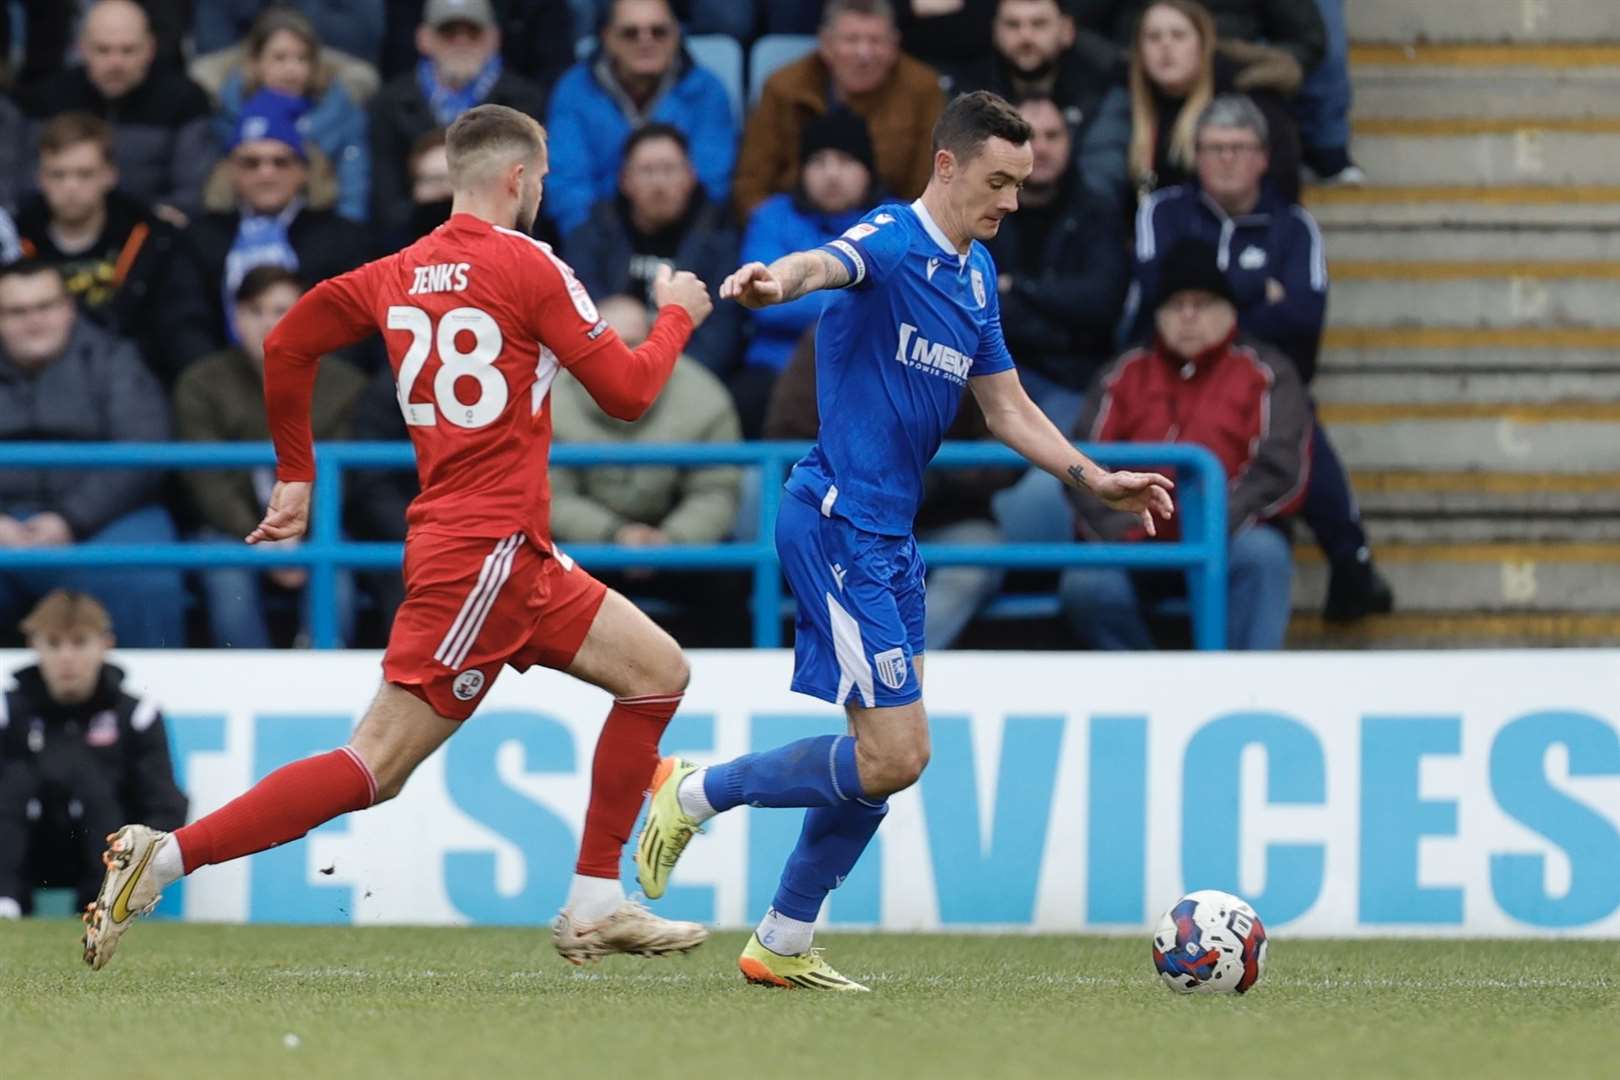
pixel 1319 266
pixel 146 711
pixel 1146 241
pixel 854 256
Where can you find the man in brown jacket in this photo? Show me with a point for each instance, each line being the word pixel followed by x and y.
pixel 221 399
pixel 857 64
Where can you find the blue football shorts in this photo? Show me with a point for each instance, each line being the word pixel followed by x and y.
pixel 860 599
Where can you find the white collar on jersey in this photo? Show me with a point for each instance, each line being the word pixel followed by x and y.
pixel 938 234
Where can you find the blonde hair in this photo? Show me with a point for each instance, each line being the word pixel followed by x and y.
pixel 276 20
pixel 63 611
pixel 1144 118
pixel 486 134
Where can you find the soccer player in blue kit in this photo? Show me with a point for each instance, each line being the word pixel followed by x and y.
pixel 915 322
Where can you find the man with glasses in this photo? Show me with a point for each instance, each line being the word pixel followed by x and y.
pixel 64 379
pixel 638 75
pixel 460 66
pixel 272 224
pixel 661 216
pixel 1271 252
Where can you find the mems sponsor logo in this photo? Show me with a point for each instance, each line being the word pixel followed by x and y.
pixel 916 351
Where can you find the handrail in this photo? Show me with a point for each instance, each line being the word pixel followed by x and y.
pixel 1201 502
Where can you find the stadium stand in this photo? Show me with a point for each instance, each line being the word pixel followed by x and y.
pixel 1468 370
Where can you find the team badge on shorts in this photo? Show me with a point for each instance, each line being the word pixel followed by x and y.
pixel 467 685
pixel 978 288
pixel 891 668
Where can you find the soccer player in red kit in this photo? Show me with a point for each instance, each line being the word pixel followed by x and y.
pixel 478 318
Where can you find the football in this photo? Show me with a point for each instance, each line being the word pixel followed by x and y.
pixel 1210 942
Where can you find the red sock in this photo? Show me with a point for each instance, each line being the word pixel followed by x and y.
pixel 626 758
pixel 280 808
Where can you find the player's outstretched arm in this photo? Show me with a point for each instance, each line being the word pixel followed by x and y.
pixel 755 285
pixel 1019 423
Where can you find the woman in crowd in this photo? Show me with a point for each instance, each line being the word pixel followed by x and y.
pixel 1143 138
pixel 281 54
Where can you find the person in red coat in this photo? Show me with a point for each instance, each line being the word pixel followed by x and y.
pixel 1198 381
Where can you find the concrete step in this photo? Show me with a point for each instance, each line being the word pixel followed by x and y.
pixel 1408 89
pixel 1482 20
pixel 1570 497
pixel 1462 436
pixel 1470 204
pixel 1436 349
pixel 1460 294
pixel 1423 630
pixel 1541 151
pixel 1425 242
pixel 1471 578
pixel 1373 386
pixel 1430 527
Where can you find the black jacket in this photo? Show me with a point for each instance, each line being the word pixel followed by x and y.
pixel 162 140
pixel 124 280
pixel 600 251
pixel 400 116
pixel 1074 84
pixel 1061 323
pixel 326 245
pixel 121 733
pixel 376 499
pixel 98 390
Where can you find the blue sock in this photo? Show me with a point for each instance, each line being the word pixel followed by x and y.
pixel 829 845
pixel 811 772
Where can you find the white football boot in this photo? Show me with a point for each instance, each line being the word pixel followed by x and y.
pixel 629 929
pixel 129 889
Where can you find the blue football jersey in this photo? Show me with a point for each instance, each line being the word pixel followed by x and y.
pixel 894 352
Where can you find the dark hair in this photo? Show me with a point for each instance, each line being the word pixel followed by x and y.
pixel 655 130
pixel 489 129
pixel 32 268
pixel 880 9
pixel 971 119
pixel 273 20
pixel 425 143
pixel 72 128
pixel 261 279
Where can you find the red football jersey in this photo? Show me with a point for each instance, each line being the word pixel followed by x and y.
pixel 477 320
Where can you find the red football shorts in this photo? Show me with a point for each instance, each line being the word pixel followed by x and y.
pixel 472 605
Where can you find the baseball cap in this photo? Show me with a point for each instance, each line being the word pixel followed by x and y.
pixel 477 12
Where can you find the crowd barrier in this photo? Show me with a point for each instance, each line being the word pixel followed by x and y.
pixel 1201 552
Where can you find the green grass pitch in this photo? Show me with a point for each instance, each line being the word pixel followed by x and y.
pixel 186 1001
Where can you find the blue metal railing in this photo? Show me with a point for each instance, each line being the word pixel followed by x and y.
pixel 1201 502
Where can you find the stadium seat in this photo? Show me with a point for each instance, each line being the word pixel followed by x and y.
pixel 771 52
pixel 722 56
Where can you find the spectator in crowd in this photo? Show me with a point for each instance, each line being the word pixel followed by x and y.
pixel 1062 270
pixel 354 27
pixel 1175 72
pixel 1033 56
pixel 640 74
pixel 221 399
pixel 837 185
pixel 1323 105
pixel 375 500
pixel 161 138
pixel 79 756
pixel 270 222
pixel 1273 259
pixel 661 216
pixel 282 53
pixel 460 66
pixel 857 64
pixel 64 379
pixel 955 507
pixel 944 34
pixel 650 506
pixel 430 189
pixel 117 256
pixel 537 39
pixel 13 151
pixel 1294 26
pixel 1198 383
pixel 47 35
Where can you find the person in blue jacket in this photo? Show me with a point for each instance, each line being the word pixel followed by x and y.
pixel 1272 255
pixel 282 53
pixel 837 185
pixel 638 74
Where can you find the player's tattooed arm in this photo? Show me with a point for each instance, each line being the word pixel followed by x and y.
pixel 755 285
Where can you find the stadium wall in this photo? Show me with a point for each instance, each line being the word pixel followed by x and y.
pixel 1466 794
